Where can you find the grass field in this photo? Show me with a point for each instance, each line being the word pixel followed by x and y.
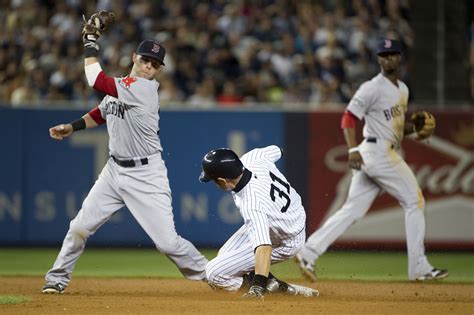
pixel 336 265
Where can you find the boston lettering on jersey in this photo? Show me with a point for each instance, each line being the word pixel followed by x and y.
pixel 116 108
pixel 394 111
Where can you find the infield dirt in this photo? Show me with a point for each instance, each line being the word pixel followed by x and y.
pixel 165 296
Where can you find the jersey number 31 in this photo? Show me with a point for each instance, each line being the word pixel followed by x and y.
pixel 281 193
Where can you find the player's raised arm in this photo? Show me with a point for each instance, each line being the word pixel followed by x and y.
pixel 92 30
pixel 139 88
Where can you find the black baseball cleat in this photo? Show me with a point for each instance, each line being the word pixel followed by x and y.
pixel 434 275
pixel 53 288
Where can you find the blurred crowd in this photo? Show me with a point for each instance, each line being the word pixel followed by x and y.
pixel 219 53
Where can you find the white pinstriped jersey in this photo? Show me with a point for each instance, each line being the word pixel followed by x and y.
pixel 132 118
pixel 271 208
pixel 383 106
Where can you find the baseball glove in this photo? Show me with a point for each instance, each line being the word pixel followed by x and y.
pixel 97 24
pixel 424 123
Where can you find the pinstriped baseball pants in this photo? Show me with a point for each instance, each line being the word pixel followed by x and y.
pixel 236 258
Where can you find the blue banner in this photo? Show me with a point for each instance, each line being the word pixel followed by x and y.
pixel 43 181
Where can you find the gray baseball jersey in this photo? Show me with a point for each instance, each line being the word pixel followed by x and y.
pixel 133 118
pixel 383 106
pixel 136 176
pixel 273 215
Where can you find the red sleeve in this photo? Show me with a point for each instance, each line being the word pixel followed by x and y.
pixel 96 116
pixel 105 84
pixel 348 120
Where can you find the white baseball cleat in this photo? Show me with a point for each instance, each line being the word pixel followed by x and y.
pixel 296 289
pixel 277 286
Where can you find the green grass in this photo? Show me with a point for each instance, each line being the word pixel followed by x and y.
pixel 12 299
pixel 339 265
pixel 384 266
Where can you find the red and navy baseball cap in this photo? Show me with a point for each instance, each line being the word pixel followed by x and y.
pixel 152 49
pixel 388 46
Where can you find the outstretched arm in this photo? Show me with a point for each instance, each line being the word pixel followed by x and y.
pixel 65 130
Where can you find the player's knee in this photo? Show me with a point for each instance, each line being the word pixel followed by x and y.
pixel 89 203
pixel 357 215
pixel 214 277
pixel 414 204
pixel 168 245
pixel 218 280
pixel 210 276
pixel 78 230
pixel 354 213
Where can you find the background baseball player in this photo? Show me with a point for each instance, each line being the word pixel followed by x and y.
pixel 382 103
pixel 135 175
pixel 274 221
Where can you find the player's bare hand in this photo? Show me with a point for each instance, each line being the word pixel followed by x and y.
pixel 60 131
pixel 355 160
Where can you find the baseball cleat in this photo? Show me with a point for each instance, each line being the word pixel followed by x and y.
pixel 306 267
pixel 53 288
pixel 295 289
pixel 434 275
pixel 277 286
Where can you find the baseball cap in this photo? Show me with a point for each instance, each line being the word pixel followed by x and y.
pixel 388 45
pixel 152 49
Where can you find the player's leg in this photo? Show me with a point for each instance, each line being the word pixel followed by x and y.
pixel 397 179
pixel 99 205
pixel 148 197
pixel 362 193
pixel 234 260
pixel 234 266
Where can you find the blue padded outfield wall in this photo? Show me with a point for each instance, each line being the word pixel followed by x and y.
pixel 43 182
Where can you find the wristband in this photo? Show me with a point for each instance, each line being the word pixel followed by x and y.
pixel 260 281
pixel 354 149
pixel 78 124
pixel 91 51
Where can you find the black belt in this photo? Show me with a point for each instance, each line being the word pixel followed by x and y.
pixel 130 163
pixel 374 140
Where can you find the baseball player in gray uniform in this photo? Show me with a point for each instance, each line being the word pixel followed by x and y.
pixel 274 222
pixel 135 175
pixel 377 165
